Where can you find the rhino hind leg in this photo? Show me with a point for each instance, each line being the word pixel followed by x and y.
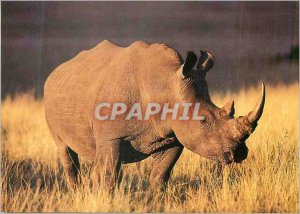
pixel 106 166
pixel 163 164
pixel 70 162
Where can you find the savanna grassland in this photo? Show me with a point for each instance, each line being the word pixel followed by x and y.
pixel 32 178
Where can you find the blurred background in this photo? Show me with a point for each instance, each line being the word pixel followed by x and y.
pixel 252 41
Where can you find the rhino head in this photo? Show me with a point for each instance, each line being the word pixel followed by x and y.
pixel 220 136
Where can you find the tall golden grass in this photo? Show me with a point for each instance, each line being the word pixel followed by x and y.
pixel 32 178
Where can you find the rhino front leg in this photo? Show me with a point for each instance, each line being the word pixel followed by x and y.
pixel 163 164
pixel 106 166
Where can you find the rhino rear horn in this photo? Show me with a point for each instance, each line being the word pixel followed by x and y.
pixel 191 59
pixel 229 108
pixel 206 62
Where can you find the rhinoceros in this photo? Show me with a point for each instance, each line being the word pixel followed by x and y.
pixel 140 73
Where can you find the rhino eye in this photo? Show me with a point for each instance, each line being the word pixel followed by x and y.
pixel 207 122
pixel 208 125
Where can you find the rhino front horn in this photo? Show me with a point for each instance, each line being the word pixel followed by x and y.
pixel 256 113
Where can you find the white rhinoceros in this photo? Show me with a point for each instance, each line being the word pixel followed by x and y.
pixel 141 73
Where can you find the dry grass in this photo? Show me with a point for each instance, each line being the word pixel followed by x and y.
pixel 33 179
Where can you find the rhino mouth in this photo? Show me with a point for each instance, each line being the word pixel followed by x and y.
pixel 236 154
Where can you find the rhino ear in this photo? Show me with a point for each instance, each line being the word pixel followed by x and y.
pixel 206 62
pixel 190 61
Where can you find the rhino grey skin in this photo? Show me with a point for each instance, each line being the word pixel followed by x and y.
pixel 141 73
